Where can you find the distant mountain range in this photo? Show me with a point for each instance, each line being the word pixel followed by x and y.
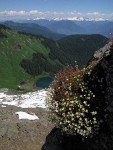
pixel 66 27
pixel 60 28
pixel 81 27
pixel 33 29
pixel 55 29
pixel 75 18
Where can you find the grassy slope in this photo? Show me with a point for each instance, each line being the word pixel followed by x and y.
pixel 13 49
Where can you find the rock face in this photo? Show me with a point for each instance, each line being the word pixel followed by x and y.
pixel 100 82
pixel 22 134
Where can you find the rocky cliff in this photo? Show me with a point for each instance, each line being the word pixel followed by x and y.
pixel 100 82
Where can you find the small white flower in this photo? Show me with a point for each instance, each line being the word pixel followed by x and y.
pixel 94 118
pixel 94 113
pixel 85 102
pixel 93 95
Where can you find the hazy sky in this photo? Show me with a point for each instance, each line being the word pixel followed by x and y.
pixel 13 8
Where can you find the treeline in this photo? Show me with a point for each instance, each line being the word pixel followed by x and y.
pixel 57 53
pixel 30 35
pixel 2 35
pixel 3 27
pixel 81 47
pixel 38 64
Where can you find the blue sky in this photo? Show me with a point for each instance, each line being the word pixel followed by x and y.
pixel 104 6
pixel 96 7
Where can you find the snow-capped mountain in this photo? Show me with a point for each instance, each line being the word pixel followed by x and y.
pixel 74 19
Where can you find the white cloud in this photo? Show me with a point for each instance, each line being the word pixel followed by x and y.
pixel 32 14
pixel 93 13
pixel 98 15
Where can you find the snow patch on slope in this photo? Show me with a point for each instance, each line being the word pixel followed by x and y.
pixel 28 100
pixel 24 115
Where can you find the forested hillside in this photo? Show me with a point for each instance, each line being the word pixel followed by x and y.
pixel 82 47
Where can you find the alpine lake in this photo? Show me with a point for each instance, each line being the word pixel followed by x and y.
pixel 44 82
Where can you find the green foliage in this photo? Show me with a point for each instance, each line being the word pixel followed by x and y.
pixel 38 64
pixel 15 48
pixel 69 103
pixel 57 53
pixel 3 27
pixel 81 47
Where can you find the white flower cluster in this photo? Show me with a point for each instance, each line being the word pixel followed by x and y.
pixel 69 106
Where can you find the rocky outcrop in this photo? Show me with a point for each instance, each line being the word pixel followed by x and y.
pixel 100 82
pixel 24 134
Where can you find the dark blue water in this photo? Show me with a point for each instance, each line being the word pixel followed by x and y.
pixel 44 82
